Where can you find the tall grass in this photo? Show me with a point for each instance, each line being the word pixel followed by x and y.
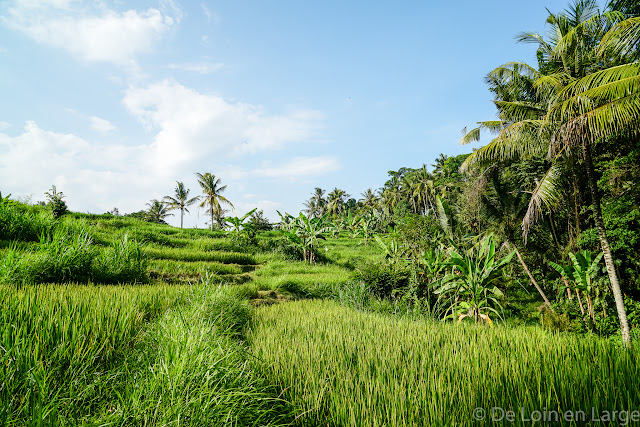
pixel 134 355
pixel 345 367
pixel 67 254
pixel 124 261
pixel 192 369
pixel 23 222
pixel 59 344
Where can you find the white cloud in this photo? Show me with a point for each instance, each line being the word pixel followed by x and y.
pixel 102 35
pixel 201 68
pixel 94 177
pixel 301 167
pixel 101 125
pixel 193 128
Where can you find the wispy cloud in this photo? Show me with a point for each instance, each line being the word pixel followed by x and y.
pixel 201 68
pixel 101 125
pixel 301 167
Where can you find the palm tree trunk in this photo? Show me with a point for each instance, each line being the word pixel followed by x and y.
pixel 533 281
pixel 181 217
pixel 211 213
pixel 604 243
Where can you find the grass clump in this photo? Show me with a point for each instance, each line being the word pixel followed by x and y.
pixel 123 261
pixel 67 254
pixel 195 370
pixel 23 222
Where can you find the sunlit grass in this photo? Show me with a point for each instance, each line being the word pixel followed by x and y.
pixel 346 367
pixel 60 343
pixel 191 255
pixel 300 278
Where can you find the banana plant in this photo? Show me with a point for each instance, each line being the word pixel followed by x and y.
pixel 366 228
pixel 469 289
pixel 583 270
pixel 286 221
pixel 311 230
pixel 239 225
pixel 5 199
pixel 392 251
pixel 305 234
pixel 350 222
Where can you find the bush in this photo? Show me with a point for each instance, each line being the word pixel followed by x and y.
pixel 383 279
pixel 56 203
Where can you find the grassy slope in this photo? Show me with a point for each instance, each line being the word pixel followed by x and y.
pixel 165 353
pixel 149 354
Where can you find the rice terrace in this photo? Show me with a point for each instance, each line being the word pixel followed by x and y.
pixel 500 286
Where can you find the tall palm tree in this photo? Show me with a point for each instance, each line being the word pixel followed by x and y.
pixel 157 211
pixel 336 201
pixel 437 166
pixel 180 201
pixel 212 197
pixel 584 102
pixel 316 205
pixel 369 199
pixel 423 190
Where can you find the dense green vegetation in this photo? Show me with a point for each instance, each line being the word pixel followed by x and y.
pixel 506 278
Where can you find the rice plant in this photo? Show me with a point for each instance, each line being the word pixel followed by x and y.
pixel 59 346
pixel 191 255
pixel 196 370
pixel 350 368
pixel 122 262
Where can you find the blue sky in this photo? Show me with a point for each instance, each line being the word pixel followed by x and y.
pixel 115 101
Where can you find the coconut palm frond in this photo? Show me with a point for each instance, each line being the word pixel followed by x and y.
pixel 514 71
pixel 518 139
pixel 594 26
pixel 443 218
pixel 519 110
pixel 613 81
pixel 473 135
pixel 546 195
pixel 622 40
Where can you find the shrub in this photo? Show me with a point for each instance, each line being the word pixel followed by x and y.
pixel 56 203
pixel 383 279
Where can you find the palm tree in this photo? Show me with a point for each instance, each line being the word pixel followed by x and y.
pixel 369 199
pixel 582 102
pixel 423 190
pixel 336 200
pixel 180 201
pixel 212 197
pixel 437 167
pixel 157 211
pixel 391 196
pixel 503 211
pixel 316 205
